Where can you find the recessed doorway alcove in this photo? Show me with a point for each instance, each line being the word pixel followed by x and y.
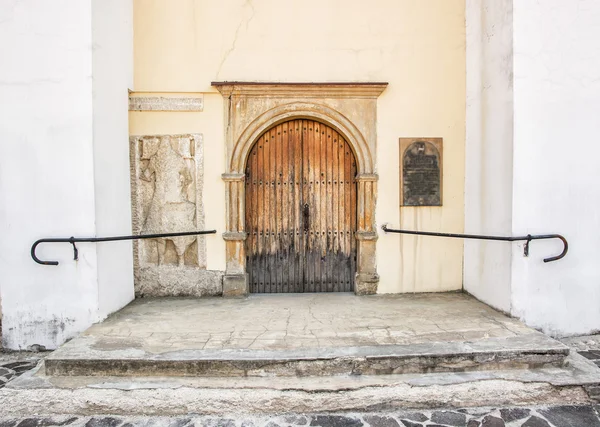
pixel 250 109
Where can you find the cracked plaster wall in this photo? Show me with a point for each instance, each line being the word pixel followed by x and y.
pixel 55 178
pixel 418 47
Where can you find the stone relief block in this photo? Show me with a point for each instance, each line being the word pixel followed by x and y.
pixel 167 180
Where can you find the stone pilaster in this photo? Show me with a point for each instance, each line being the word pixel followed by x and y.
pixel 235 281
pixel 367 279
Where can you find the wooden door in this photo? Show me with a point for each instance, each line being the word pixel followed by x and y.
pixel 301 210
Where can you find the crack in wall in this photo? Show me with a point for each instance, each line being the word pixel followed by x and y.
pixel 243 22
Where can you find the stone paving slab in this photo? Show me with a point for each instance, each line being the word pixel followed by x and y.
pixel 306 334
pixel 583 342
pixel 547 416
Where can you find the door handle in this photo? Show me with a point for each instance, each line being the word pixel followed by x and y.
pixel 306 215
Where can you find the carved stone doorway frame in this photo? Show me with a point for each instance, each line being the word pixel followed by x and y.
pixel 251 109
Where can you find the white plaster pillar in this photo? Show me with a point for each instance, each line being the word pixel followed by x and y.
pixel 556 158
pixel 489 150
pixel 112 59
pixel 61 164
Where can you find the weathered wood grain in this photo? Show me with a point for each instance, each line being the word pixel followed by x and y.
pixel 298 163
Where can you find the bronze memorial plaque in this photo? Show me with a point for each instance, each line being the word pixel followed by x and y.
pixel 421 171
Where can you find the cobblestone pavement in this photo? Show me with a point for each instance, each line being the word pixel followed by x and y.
pixel 14 364
pixel 558 416
pixel 589 347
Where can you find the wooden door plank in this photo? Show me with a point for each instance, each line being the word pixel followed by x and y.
pixel 314 210
pixel 248 217
pixel 281 213
pixel 308 144
pixel 347 211
pixel 256 203
pixel 285 213
pixel 259 206
pixel 266 213
pixel 335 192
pixel 353 224
pixel 278 212
pixel 323 211
pixel 341 212
pixel 272 209
pixel 256 209
pixel 317 217
pixel 251 217
pixel 324 255
pixel 298 201
pixel 331 254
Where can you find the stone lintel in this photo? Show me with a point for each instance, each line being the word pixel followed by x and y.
pixel 302 90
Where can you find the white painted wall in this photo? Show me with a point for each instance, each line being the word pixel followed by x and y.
pixel 489 145
pixel 47 167
pixel 531 155
pixel 112 66
pixel 556 162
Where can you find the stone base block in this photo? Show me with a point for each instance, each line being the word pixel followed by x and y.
pixel 173 281
pixel 366 284
pixel 235 285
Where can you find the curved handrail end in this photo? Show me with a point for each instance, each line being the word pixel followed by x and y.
pixel 34 256
pixel 564 251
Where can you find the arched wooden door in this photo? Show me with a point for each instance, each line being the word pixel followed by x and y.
pixel 301 210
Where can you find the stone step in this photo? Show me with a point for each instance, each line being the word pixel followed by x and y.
pixel 37 393
pixel 93 356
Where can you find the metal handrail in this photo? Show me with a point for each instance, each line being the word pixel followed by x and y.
pixel 527 238
pixel 73 240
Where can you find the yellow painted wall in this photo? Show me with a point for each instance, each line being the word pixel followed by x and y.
pixel 418 46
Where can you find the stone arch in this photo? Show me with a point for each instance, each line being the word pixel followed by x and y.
pixel 301 110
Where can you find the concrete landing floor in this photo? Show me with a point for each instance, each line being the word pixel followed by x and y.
pixel 338 333
pixel 292 321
